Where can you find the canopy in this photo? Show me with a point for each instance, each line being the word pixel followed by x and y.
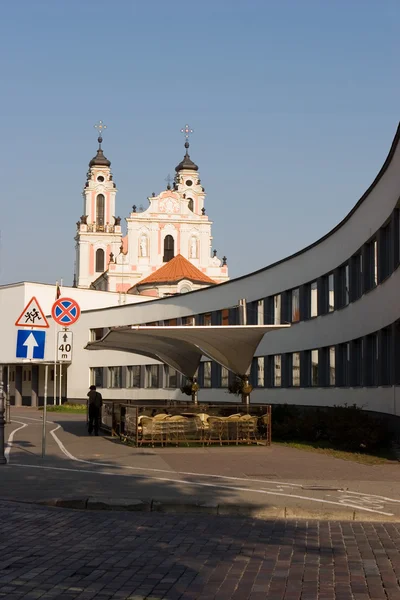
pixel 182 347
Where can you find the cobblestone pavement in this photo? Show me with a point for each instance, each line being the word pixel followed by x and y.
pixel 54 553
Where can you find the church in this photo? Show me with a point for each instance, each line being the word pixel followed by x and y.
pixel 167 248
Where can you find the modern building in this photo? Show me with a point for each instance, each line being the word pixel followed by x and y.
pixel 340 295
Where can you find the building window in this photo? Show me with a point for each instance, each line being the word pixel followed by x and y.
pixel 115 377
pixel 385 370
pixel 207 319
pixel 332 365
pixel 346 285
pixel 188 321
pixel 296 369
pixel 375 263
pixel 97 334
pixel 207 374
pixel 169 246
pixel 314 367
pixel 277 309
pixel 224 377
pixel 100 210
pixel 133 376
pixel 343 374
pixel 331 292
pixel 314 299
pixel 96 376
pixel 152 376
pixel 171 377
pixel 190 204
pixel 278 370
pixel 260 312
pixel 260 371
pixel 100 260
pixel 295 305
pixel 225 316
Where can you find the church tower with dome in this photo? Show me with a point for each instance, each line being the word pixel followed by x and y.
pixel 168 246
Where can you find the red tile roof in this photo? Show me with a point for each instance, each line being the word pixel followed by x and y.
pixel 175 270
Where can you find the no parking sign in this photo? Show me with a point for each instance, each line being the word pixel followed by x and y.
pixel 65 311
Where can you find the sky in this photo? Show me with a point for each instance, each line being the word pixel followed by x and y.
pixel 293 104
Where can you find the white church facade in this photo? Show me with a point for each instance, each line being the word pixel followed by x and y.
pixel 174 225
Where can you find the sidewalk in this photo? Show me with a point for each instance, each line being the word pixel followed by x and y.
pixel 98 472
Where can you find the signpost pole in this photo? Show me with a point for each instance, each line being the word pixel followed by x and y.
pixel 55 365
pixel 60 385
pixel 3 459
pixel 46 372
pixel 8 411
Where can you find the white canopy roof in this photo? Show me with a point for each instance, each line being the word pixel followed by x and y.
pixel 182 347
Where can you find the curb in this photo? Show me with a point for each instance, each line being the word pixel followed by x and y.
pixel 209 508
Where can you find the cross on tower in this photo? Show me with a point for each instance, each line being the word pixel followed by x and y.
pixel 100 127
pixel 187 131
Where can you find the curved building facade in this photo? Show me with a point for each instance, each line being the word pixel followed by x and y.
pixel 341 296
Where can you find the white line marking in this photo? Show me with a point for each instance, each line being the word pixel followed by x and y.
pixel 198 484
pixel 80 460
pixel 30 418
pixel 89 462
pixel 11 437
pixel 373 496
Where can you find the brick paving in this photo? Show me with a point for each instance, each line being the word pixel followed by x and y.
pixel 54 553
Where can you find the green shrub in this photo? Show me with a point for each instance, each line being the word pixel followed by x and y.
pixel 343 427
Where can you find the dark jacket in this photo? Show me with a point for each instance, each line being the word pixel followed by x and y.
pixel 95 398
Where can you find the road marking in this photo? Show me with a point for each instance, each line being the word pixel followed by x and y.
pixel 373 496
pixel 89 462
pixel 11 437
pixel 70 456
pixel 198 484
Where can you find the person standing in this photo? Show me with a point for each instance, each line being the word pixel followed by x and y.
pixel 95 404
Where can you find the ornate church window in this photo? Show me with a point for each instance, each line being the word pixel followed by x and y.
pixel 169 247
pixel 100 201
pixel 190 204
pixel 100 260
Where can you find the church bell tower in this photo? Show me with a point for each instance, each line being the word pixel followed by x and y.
pixel 98 231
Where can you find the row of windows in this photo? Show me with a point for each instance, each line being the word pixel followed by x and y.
pixel 369 361
pixel 373 263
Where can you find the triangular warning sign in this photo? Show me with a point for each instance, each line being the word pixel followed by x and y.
pixel 32 316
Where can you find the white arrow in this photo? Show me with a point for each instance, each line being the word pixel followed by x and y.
pixel 30 344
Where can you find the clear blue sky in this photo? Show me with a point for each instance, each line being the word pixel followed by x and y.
pixel 294 106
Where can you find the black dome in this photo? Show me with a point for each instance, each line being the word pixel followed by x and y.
pixel 187 162
pixel 100 160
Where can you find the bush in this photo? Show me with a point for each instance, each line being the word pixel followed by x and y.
pixel 343 427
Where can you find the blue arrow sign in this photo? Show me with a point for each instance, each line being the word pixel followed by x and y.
pixel 30 344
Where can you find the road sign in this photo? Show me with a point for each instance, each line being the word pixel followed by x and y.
pixel 64 346
pixel 30 344
pixel 65 311
pixel 32 316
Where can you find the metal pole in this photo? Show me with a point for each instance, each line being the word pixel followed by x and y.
pixel 3 460
pixel 8 406
pixel 46 372
pixel 60 385
pixel 55 365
